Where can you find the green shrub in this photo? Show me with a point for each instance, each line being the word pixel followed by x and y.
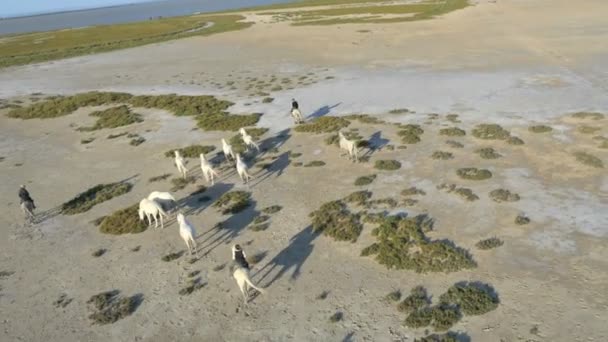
pixel 334 220
pixel 57 106
pixel 444 317
pixel 159 178
pixel 540 129
pixel 324 124
pixel 389 165
pixel 171 256
pixel 315 163
pixel 109 307
pixel 180 183
pixel 412 191
pixel 267 100
pixel 259 227
pixel 490 132
pixel 137 141
pixel 490 243
pixel 521 220
pixel 358 197
pixel 464 193
pixel 410 134
pixel 588 159
pixel 472 173
pixel 588 129
pixel 261 219
pixel 272 209
pixel 182 105
pixel 193 285
pixel 452 132
pixel 192 151
pixel 417 299
pixel 113 117
pixel 393 296
pixel 448 337
pixel 117 135
pixel 441 155
pixel 336 317
pixel 123 221
pixel 419 318
pixel 87 140
pixel 470 298
pixel 488 153
pixel 226 122
pixel 365 180
pixel 454 144
pixel 588 115
pixel 515 141
pixel 99 252
pixel 233 202
pixel 93 196
pixel 400 111
pixel 294 154
pixel 502 195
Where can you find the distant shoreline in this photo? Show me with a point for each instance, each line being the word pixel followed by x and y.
pixel 79 10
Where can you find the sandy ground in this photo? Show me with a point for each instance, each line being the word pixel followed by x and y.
pixel 509 62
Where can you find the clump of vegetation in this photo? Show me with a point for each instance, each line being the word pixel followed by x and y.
pixel 233 202
pixel 472 299
pixel 56 106
pixel 441 155
pixel 171 256
pixel 123 221
pixel 472 173
pixel 324 124
pixel 87 140
pixel 454 144
pixel 335 220
pixel 540 129
pixel 502 195
pixel 193 285
pixel 62 301
pixel 259 227
pixel 137 141
pixel 358 197
pixel 452 132
pixel 365 180
pixel 386 202
pixel 588 129
pixel 181 182
pixel 515 141
pixel 393 296
pixel 267 100
pixel 402 244
pixel 419 318
pixel 399 111
pixel 416 300
pixel 588 159
pixel 117 135
pixel 323 295
pixel 412 191
pixel 588 115
pixel 109 307
pixel 192 151
pixel 315 163
pixel 93 196
pixel 490 132
pixel 464 193
pixel 410 134
pixel 99 252
pixel 272 209
pixel 297 164
pixel 337 317
pixel 388 165
pixel 521 220
pixel 261 219
pixel 490 243
pixel 113 118
pixel 365 119
pixel 488 153
pixel 294 154
pixel 159 178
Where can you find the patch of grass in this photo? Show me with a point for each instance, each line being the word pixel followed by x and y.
pixel 490 132
pixel 488 153
pixel 416 300
pixel 472 299
pixel 490 243
pixel 192 151
pixel 63 301
pixel 399 111
pixel 335 220
pixel 323 295
pixel 46 46
pixel 337 317
pixel 358 197
pixel 419 318
pixel 412 191
pixel 324 124
pixel 261 219
pixel 159 178
pixel 454 144
pixel 233 202
pixel 588 115
pixel 540 129
pixel 117 135
pixel 365 180
pixel 93 196
pixel 267 100
pixel 521 220
pixel 588 159
pixel 137 141
pixel 588 129
pixel 113 117
pixel 402 244
pixel 136 249
pixel 389 203
pixel 294 154
pixel 272 209
pixel 315 163
pixel 87 140
pixel 502 195
pixel 259 227
pixel 180 183
pixel 472 173
pixel 441 155
pixel 123 221
pixel 99 252
pixel 109 307
pixel 56 106
pixel 226 122
pixel 464 193
pixel 444 317
pixel 393 296
pixel 515 141
pixel 171 256
pixel 452 132
pixel 410 134
pixel 297 164
pixel 388 165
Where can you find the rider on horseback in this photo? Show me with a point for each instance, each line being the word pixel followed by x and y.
pixel 24 196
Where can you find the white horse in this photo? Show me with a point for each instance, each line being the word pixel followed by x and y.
pixel 28 210
pixel 187 232
pixel 242 169
pixel 248 140
pixel 180 163
pixel 208 172
pixel 163 198
pixel 350 146
pixel 297 116
pixel 151 208
pixel 227 148
pixel 241 275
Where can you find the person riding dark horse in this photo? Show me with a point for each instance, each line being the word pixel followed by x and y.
pixel 238 255
pixel 294 104
pixel 24 196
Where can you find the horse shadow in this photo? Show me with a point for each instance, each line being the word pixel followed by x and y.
pixel 198 201
pixel 322 111
pixel 275 168
pixel 229 229
pixel 275 141
pixel 375 142
pixel 291 257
